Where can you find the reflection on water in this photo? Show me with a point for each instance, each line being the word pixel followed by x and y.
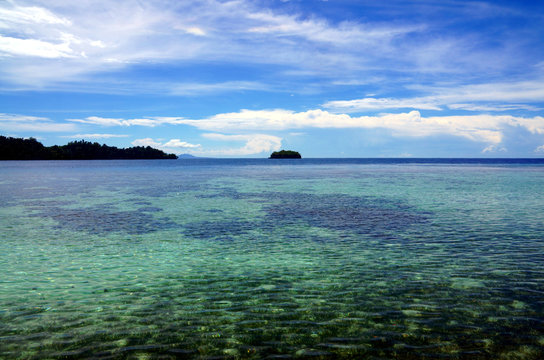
pixel 255 260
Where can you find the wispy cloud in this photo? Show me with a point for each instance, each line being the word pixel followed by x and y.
pixel 318 30
pixel 94 136
pixel 370 103
pixel 29 15
pixel 494 97
pixel 23 123
pixel 149 122
pixel 493 107
pixel 93 37
pixel 32 47
pixel 197 89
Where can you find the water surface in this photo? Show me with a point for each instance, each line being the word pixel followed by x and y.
pixel 281 259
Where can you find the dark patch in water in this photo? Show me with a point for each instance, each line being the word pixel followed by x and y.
pixel 162 190
pixel 139 202
pixel 150 209
pixel 356 215
pixel 97 220
pixel 360 215
pixel 41 204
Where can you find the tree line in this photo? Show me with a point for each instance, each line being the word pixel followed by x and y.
pixel 31 149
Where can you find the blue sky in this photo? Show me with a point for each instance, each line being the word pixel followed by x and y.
pixel 243 78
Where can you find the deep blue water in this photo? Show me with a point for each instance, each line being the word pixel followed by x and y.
pixel 258 258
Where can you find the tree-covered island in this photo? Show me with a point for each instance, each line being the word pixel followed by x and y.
pixel 285 154
pixel 31 149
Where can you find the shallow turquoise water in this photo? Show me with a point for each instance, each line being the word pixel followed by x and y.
pixel 257 259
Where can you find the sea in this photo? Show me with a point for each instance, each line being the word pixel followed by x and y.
pixel 272 259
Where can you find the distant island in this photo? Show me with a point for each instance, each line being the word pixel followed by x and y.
pixel 31 149
pixel 187 156
pixel 285 154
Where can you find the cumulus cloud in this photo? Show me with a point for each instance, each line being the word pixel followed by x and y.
pixel 20 123
pixel 254 144
pixel 172 146
pixel 146 142
pixel 176 143
pixel 482 128
pixel 535 125
pixel 494 148
pixel 540 149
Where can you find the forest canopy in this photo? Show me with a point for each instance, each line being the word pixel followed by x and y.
pixel 285 154
pixel 31 149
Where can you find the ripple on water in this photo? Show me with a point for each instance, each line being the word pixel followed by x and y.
pixel 221 270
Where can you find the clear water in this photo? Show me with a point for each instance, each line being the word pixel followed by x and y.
pixel 260 258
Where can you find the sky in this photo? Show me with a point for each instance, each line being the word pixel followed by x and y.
pixel 336 78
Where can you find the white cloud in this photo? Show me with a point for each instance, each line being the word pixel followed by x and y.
pixel 94 136
pixel 381 104
pixel 535 125
pixel 146 142
pixel 107 35
pixel 540 149
pixel 318 30
pixel 254 144
pixel 193 89
pixel 172 146
pixel 29 14
pixel 89 39
pixel 23 123
pixel 482 97
pixel 195 31
pixel 20 118
pixel 482 128
pixel 176 143
pixel 492 107
pixel 148 122
pixel 494 148
pixel 31 47
pixel 279 119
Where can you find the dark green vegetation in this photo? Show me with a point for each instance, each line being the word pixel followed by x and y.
pixel 285 154
pixel 31 149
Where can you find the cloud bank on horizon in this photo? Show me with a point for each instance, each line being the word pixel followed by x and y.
pixel 244 78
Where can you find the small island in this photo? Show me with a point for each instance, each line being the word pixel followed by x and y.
pixel 285 154
pixel 31 149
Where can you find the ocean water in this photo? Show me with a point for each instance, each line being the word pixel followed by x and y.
pixel 252 259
